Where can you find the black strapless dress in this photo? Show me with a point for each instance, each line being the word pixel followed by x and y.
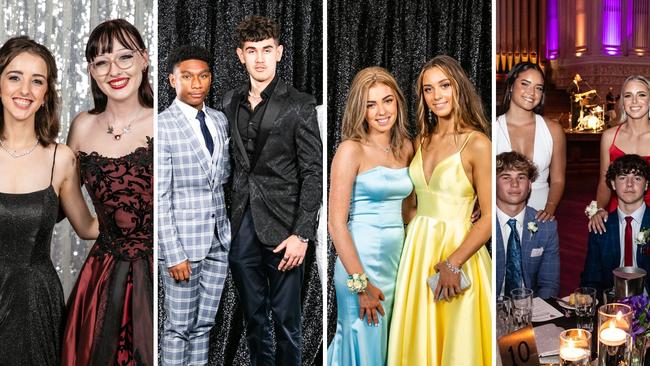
pixel 31 296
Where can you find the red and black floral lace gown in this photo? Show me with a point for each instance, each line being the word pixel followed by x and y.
pixel 110 309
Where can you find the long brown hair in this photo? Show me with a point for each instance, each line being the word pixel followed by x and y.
pixel 101 41
pixel 354 125
pixel 467 108
pixel 46 121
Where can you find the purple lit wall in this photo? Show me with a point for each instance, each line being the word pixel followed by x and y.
pixel 612 12
pixel 552 30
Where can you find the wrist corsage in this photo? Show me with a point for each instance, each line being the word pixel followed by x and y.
pixel 357 283
pixel 592 209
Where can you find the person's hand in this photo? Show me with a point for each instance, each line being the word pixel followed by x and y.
pixel 294 253
pixel 597 222
pixel 476 214
pixel 181 271
pixel 448 284
pixel 370 304
pixel 547 214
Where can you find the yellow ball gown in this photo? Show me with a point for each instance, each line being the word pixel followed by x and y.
pixel 424 332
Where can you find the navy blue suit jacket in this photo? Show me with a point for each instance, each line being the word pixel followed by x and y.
pixel 604 254
pixel 542 271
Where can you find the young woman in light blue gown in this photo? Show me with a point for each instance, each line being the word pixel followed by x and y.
pixel 369 184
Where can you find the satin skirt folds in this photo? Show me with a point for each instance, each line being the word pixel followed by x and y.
pixel 110 313
pixel 428 333
pixel 379 244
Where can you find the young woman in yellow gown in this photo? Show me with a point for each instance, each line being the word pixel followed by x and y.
pixel 450 171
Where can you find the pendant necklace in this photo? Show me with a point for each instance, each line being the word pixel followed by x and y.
pixel 126 129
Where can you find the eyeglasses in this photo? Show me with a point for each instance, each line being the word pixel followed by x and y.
pixel 122 59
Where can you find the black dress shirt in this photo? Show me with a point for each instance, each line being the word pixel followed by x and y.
pixel 249 119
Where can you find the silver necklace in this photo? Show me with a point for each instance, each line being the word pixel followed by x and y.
pixel 386 149
pixel 15 154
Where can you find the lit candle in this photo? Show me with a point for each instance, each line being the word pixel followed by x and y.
pixel 573 354
pixel 612 336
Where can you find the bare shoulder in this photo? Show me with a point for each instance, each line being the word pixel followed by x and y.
pixel 608 135
pixel 65 163
pixel 65 155
pixel 479 147
pixel 349 149
pixel 83 121
pixel 347 155
pixel 479 141
pixel 80 128
pixel 408 149
pixel 554 127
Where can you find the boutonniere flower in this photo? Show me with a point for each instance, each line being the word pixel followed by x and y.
pixel 642 237
pixel 532 228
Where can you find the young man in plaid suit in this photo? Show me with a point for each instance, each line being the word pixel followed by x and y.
pixel 193 227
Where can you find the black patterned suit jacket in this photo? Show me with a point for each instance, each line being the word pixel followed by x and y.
pixel 283 182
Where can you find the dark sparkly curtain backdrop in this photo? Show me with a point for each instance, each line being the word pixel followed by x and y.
pixel 211 24
pixel 400 36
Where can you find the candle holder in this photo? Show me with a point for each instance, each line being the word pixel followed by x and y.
pixel 575 347
pixel 614 340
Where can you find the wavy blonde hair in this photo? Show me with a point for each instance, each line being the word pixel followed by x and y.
pixel 467 109
pixel 354 125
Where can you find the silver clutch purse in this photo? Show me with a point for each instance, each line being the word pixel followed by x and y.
pixel 433 282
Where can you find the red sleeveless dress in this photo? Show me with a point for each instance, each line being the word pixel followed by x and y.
pixel 615 153
pixel 110 309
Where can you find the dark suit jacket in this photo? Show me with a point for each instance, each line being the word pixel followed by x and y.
pixel 283 183
pixel 542 271
pixel 604 254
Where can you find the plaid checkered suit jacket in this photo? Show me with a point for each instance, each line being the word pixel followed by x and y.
pixel 191 205
pixel 541 271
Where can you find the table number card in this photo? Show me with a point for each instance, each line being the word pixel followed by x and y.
pixel 519 348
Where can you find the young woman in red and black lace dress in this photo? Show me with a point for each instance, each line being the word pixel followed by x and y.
pixel 110 310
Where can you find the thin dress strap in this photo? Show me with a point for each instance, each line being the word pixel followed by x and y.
pixel 616 134
pixel 466 140
pixel 53 160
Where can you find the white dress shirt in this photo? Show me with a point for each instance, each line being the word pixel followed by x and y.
pixel 505 233
pixel 190 113
pixel 637 216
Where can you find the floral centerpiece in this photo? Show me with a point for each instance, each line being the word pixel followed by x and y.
pixel 640 329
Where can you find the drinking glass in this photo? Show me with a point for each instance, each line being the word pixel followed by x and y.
pixel 522 307
pixel 585 298
pixel 504 316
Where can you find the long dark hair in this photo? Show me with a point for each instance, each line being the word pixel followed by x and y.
pixel 101 41
pixel 46 121
pixel 510 82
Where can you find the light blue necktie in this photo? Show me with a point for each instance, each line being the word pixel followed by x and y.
pixel 514 275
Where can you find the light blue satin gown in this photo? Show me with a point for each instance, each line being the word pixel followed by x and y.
pixel 375 223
